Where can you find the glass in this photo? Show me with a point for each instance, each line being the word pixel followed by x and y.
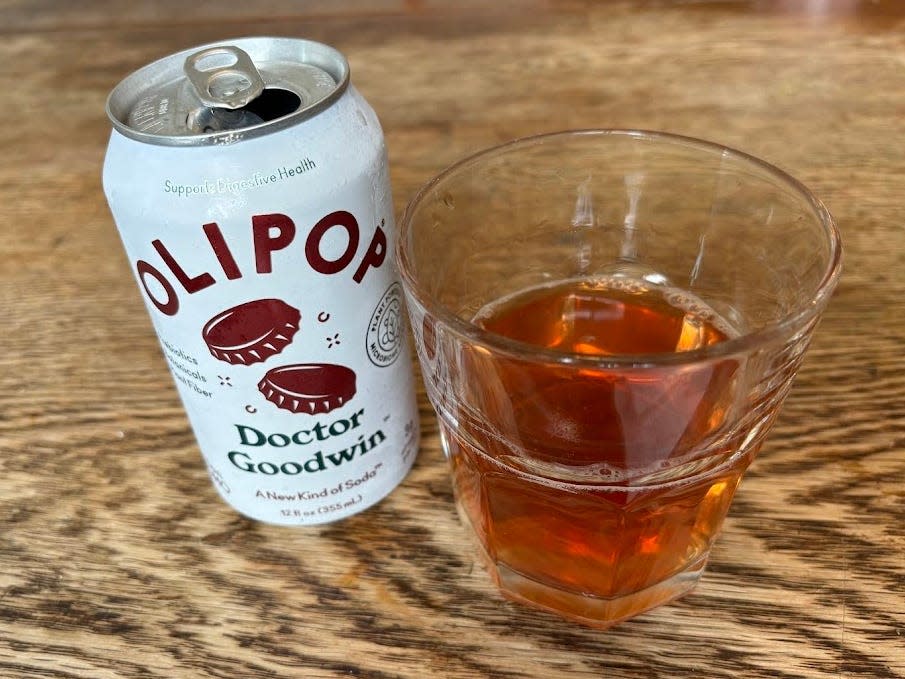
pixel 607 323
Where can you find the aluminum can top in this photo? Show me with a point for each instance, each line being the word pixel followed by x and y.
pixel 224 92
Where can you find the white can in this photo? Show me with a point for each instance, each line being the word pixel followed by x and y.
pixel 249 184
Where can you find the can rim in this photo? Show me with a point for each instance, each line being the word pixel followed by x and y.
pixel 324 56
pixel 745 342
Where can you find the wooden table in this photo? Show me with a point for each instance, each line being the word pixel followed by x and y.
pixel 118 560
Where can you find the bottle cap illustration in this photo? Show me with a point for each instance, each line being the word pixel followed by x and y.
pixel 311 388
pixel 251 332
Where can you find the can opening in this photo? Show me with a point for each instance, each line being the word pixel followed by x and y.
pixel 273 103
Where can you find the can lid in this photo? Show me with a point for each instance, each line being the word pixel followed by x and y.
pixel 224 92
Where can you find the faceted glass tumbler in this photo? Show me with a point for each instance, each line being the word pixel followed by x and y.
pixel 607 323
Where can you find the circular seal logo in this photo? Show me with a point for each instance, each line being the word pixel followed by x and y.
pixel 384 339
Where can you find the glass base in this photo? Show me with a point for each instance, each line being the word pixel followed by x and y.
pixel 592 610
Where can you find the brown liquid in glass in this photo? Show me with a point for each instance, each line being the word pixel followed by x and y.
pixel 589 487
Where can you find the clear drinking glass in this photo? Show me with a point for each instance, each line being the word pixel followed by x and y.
pixel 607 323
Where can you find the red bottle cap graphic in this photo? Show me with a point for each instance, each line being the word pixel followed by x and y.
pixel 310 388
pixel 251 332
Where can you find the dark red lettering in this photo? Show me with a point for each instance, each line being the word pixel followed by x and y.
pixel 171 306
pixel 191 285
pixel 221 249
pixel 312 244
pixel 376 253
pixel 265 245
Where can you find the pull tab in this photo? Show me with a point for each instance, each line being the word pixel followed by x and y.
pixel 224 77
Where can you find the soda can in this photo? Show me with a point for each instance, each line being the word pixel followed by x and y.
pixel 249 183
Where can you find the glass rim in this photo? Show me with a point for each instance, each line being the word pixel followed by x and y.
pixel 744 343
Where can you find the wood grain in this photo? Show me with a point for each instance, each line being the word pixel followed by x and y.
pixel 117 560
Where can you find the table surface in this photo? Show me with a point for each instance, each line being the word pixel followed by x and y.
pixel 117 559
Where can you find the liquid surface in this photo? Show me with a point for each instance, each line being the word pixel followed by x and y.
pixel 544 427
pixel 604 318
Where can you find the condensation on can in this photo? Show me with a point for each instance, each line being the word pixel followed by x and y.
pixel 249 184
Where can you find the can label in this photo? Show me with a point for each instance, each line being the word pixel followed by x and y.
pixel 267 270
